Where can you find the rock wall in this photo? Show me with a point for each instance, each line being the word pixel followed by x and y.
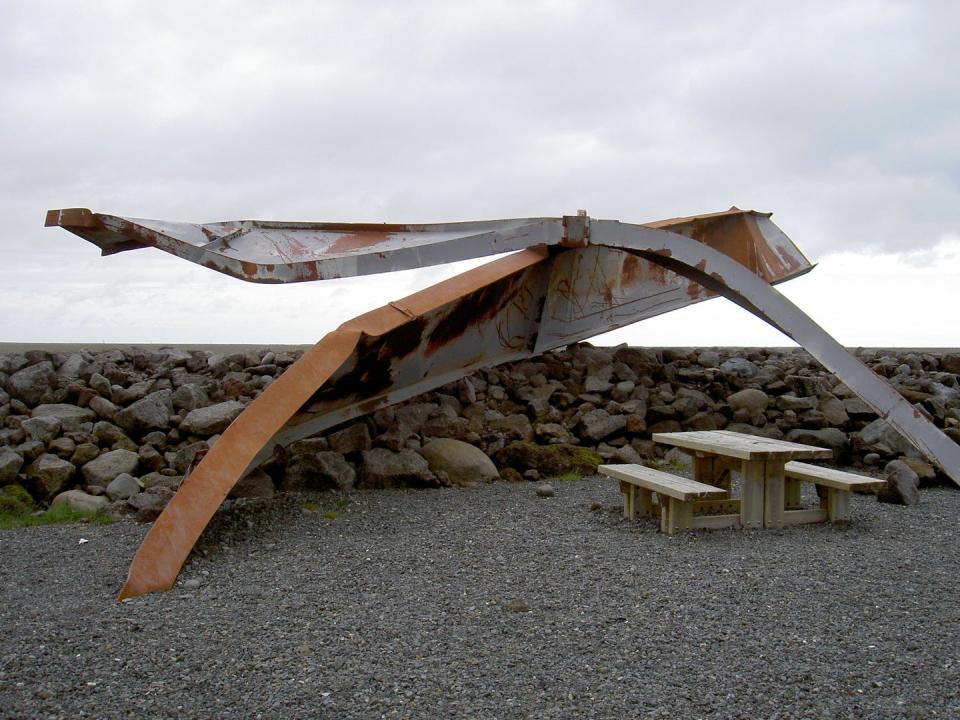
pixel 118 429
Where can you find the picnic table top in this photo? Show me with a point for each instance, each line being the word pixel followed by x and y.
pixel 741 445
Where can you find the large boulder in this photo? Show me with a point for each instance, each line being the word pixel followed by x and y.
pixel 211 420
pixel 48 475
pixel 150 413
pixel 463 463
pixel 257 484
pixel 382 468
pixel 881 437
pixel 79 501
pixel 30 384
pixel 10 464
pixel 123 486
pixel 71 417
pixel 103 469
pixel 831 438
pixel 752 400
pixel 151 502
pixel 598 424
pixel 322 470
pixel 352 439
pixel 41 429
pixel 902 485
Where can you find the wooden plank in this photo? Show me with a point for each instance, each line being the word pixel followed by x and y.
pixel 751 504
pixel 836 503
pixel 802 517
pixel 831 477
pixel 629 496
pixel 773 494
pixel 660 482
pixel 715 522
pixel 791 494
pixel 717 507
pixel 740 445
pixel 677 516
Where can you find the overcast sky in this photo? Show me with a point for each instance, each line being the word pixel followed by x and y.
pixel 843 118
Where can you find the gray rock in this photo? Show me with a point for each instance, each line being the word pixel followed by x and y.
pixel 42 429
pixel 512 427
pixel 741 367
pixel 382 468
pixel 31 383
pixel 355 438
pixel 72 368
pixel 902 485
pixel 189 397
pixel 595 384
pixel 258 484
pixel 709 358
pixel 545 490
pixel 598 424
pixel 103 408
pixel 10 464
pixel 463 463
pixel 688 401
pixel 99 384
pixel 751 399
pixel 48 475
pixel 831 438
pixel 84 453
pixel 322 470
pixel 123 486
pixel 797 404
pixel 71 417
pixel 103 469
pixel 833 409
pixel 79 501
pixel 183 458
pixel 211 420
pixel 151 502
pixel 150 413
pixel 879 435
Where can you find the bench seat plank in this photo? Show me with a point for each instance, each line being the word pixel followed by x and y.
pixel 661 482
pixel 829 477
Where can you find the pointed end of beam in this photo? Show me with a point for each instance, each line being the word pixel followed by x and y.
pixel 72 218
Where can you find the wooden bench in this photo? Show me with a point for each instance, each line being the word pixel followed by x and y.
pixel 638 482
pixel 834 503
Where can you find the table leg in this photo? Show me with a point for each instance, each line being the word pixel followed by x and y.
pixel 751 502
pixel 773 495
pixel 791 494
pixel 708 469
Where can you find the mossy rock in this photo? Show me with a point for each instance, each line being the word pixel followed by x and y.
pixel 548 460
pixel 14 499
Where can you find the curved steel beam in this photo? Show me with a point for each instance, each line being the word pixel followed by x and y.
pixel 720 274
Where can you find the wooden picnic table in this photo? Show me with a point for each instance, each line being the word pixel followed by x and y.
pixel 766 498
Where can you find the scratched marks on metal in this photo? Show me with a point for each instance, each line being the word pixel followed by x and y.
pixel 597 289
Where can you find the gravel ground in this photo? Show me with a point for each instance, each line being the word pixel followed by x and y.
pixel 490 603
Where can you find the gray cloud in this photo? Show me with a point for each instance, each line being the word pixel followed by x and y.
pixel 840 116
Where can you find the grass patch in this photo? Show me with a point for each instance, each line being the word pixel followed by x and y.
pixel 59 515
pixel 568 476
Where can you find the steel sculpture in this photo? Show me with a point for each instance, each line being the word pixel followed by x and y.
pixel 571 278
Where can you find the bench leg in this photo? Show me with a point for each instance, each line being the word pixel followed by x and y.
pixel 836 503
pixel 629 499
pixel 676 515
pixel 773 495
pixel 636 500
pixel 791 494
pixel 751 502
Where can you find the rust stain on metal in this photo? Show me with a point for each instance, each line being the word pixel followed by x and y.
pixel 350 242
